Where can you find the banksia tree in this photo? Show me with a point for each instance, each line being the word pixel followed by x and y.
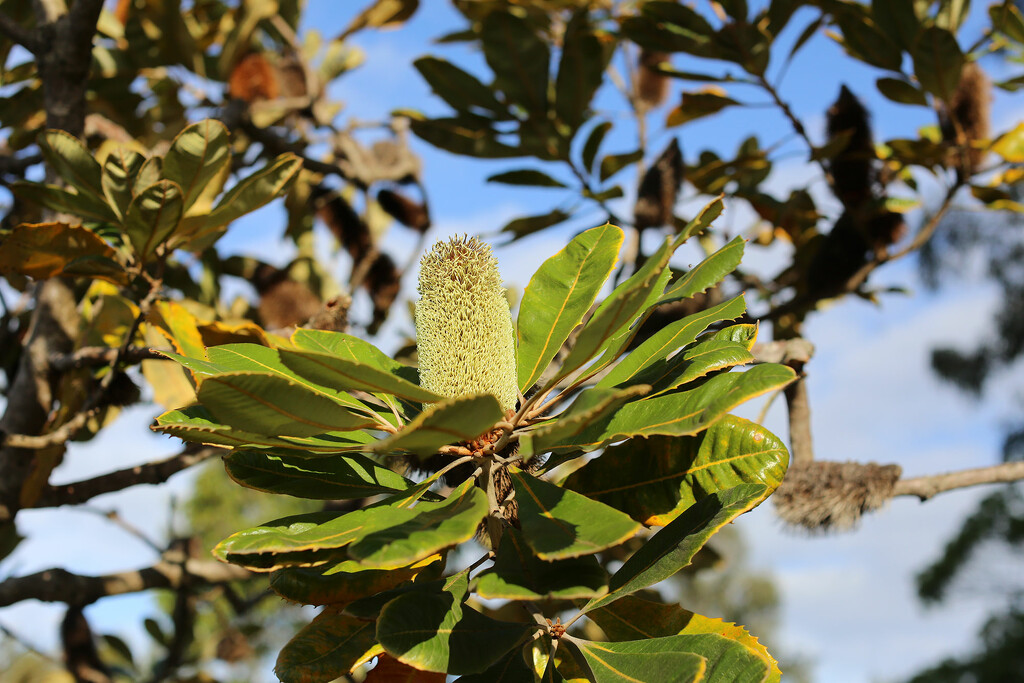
pixel 464 332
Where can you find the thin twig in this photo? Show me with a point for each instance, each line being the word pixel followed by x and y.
pixel 927 486
pixel 91 356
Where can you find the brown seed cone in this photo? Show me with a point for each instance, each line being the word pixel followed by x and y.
pixel 383 281
pixel 253 79
pixel 349 229
pixel 659 189
pixel 853 168
pixel 333 317
pixel 969 108
pixel 284 302
pixel 404 210
pixel 651 86
pixel 823 496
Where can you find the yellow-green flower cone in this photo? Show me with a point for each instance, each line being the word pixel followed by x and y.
pixel 463 326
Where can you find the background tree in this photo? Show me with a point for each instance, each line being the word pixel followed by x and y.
pixel 157 66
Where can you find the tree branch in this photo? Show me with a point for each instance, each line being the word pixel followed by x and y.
pixel 926 487
pixel 25 37
pixel 93 356
pixel 156 472
pixel 60 585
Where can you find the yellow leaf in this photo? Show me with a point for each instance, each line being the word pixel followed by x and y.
pixel 44 250
pixel 1010 145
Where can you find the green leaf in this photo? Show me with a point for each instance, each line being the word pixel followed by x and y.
pixel 580 69
pixel 1008 20
pixel 519 59
pixel 607 332
pixel 898 20
pixel 674 547
pixel 71 160
pixel 697 360
pixel 649 661
pixel 462 136
pixel 378 537
pixel 863 39
pixel 697 105
pixel 593 144
pixel 328 647
pixel 197 155
pixel 518 574
pixel 447 422
pixel 685 412
pixel 350 348
pixel 330 478
pixel 614 163
pixel 525 176
pixel 461 90
pixel 511 668
pixel 153 216
pixel 341 583
pixel 64 201
pixel 559 294
pixel 633 618
pixel 275 405
pixel 437 632
pixel 430 528
pixel 345 375
pixel 591 405
pixel 937 62
pixel 899 90
pixel 521 227
pixel 707 273
pixel 559 524
pixel 255 190
pixel 149 174
pixel 119 171
pixel 653 480
pixel 654 351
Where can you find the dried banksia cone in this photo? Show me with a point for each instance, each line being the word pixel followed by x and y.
pixel 651 85
pixel 252 79
pixel 659 188
pixel 968 110
pixel 823 496
pixel 349 229
pixel 404 210
pixel 383 281
pixel 853 167
pixel 463 326
pixel 284 302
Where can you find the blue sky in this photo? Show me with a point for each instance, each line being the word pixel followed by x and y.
pixel 848 601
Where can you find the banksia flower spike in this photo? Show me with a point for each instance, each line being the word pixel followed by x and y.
pixel 463 326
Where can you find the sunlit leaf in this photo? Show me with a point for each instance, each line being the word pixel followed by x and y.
pixel 331 645
pixel 44 250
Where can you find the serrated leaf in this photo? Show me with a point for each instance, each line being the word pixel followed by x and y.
pixel 707 273
pixel 703 220
pixel 640 660
pixel 525 176
pixel 447 422
pixel 613 163
pixel 519 59
pixel 346 375
pixel 44 250
pixel 527 225
pixel 197 155
pixel 654 351
pixel 328 647
pixel 559 524
pixel 331 478
pixel 437 632
pixel 674 546
pixel 686 412
pixel 633 618
pixel 518 574
pixel 559 294
pixel 653 480
pixel 275 405
pixel 153 216
pixel 697 360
